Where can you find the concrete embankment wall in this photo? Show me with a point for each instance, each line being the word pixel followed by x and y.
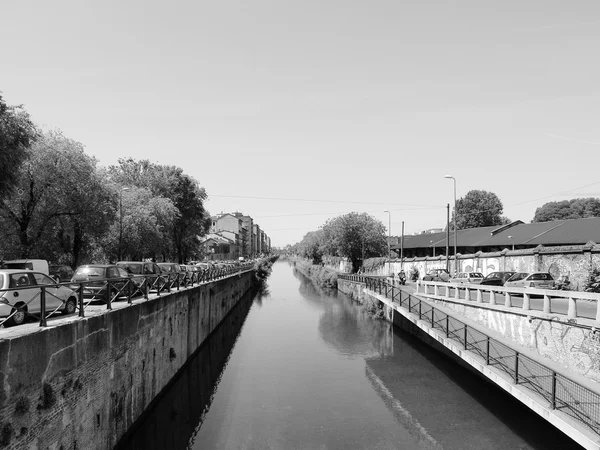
pixel 574 348
pixel 83 384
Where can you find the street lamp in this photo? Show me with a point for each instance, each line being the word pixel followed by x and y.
pixel 389 232
pixel 513 242
pixel 121 221
pixel 455 257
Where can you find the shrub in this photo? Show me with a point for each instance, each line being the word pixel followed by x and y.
pixel 592 283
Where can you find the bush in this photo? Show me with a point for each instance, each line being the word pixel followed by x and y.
pixel 592 283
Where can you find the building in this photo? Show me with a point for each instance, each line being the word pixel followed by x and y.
pixel 245 236
pixel 514 236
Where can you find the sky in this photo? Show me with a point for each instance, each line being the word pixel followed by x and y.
pixel 298 112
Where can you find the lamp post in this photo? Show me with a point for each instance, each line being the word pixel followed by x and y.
pixel 389 232
pixel 455 257
pixel 433 247
pixel 513 242
pixel 121 221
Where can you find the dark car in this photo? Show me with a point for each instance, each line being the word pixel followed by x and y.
pixel 98 277
pixel 144 272
pixel 61 274
pixel 437 275
pixel 497 278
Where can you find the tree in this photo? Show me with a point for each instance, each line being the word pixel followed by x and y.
pixel 191 220
pixel 59 192
pixel 478 209
pixel 577 208
pixel 17 133
pixel 354 235
pixel 311 246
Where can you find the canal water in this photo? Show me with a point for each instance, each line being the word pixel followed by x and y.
pixel 294 367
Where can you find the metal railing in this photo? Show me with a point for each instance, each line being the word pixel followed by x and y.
pixel 561 393
pixel 575 304
pixel 83 293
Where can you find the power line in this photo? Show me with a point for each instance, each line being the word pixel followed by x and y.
pixel 326 201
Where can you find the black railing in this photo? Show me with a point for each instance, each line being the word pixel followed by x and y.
pixel 82 293
pixel 562 393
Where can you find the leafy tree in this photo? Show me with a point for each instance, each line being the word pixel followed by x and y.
pixel 478 209
pixel 577 208
pixel 311 246
pixel 17 133
pixel 353 235
pixel 182 231
pixel 59 193
pixel 144 235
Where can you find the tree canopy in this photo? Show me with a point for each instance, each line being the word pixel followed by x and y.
pixel 577 208
pixel 353 235
pixel 479 209
pixel 61 200
pixel 17 133
pixel 183 218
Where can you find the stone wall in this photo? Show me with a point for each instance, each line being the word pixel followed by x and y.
pixel 82 384
pixel 574 262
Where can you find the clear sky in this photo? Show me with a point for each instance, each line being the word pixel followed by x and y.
pixel 296 112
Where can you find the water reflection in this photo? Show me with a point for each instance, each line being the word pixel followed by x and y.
pixel 312 370
pixel 175 419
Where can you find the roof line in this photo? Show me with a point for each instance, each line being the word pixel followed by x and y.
pixel 544 232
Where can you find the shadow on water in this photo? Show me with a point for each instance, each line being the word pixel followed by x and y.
pixel 436 389
pixel 177 415
pixel 442 403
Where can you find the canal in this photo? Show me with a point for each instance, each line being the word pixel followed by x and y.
pixel 293 367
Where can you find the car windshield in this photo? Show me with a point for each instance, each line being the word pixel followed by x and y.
pixel 492 275
pixel 518 276
pixel 132 268
pixel 18 265
pixel 90 271
pixel 475 275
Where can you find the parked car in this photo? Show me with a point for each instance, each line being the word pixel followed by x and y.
pixel 61 274
pixel 172 272
pixel 496 278
pixel 467 277
pixel 541 280
pixel 146 271
pixel 437 275
pixel 97 278
pixel 26 296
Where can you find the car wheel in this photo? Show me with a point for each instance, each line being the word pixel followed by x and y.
pixel 19 317
pixel 70 306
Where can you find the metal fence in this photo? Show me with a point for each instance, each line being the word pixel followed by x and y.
pixel 42 301
pixel 562 393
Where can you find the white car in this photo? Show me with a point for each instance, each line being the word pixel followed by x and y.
pixel 542 280
pixel 467 277
pixel 20 292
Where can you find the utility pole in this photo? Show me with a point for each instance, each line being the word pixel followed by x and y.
pixel 447 236
pixel 389 233
pixel 402 247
